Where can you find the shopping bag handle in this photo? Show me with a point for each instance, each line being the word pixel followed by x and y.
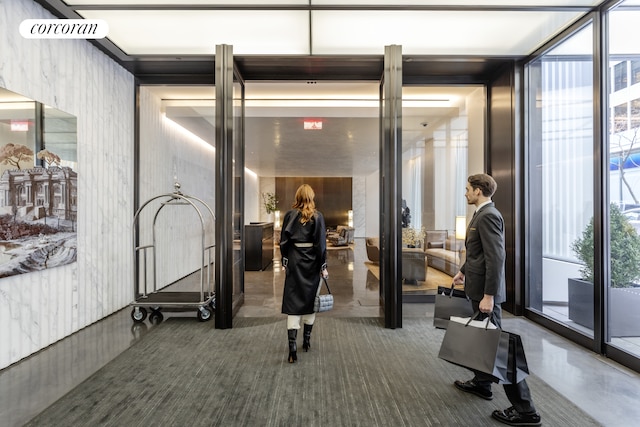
pixel 486 325
pixel 451 292
pixel 326 284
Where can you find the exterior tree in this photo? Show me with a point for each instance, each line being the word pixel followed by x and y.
pixel 12 154
pixel 626 144
pixel 49 157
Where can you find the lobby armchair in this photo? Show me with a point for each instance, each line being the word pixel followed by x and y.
pixel 344 237
pixel 373 249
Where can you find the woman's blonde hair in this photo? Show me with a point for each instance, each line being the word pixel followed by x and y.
pixel 304 202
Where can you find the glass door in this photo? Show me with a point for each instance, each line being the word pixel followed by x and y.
pixel 238 189
pixel 442 125
pixel 229 167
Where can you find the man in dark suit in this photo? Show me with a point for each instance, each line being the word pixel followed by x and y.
pixel 483 277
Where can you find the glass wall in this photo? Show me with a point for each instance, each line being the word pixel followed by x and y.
pixel 442 143
pixel 560 179
pixel 623 288
pixel 238 187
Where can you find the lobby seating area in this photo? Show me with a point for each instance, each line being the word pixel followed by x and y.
pixel 343 236
pixel 444 252
pixel 441 252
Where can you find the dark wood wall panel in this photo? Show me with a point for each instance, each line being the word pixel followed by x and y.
pixel 333 196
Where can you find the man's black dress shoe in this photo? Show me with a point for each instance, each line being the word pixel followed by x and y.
pixel 473 388
pixel 514 418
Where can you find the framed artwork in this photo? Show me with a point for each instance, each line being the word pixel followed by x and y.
pixel 38 186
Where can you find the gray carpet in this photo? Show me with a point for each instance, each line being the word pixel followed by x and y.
pixel 185 373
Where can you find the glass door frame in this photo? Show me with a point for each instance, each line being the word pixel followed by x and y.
pixel 229 270
pixel 391 187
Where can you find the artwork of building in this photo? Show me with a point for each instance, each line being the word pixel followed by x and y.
pixel 40 192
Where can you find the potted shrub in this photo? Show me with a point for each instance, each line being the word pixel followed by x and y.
pixel 269 202
pixel 624 295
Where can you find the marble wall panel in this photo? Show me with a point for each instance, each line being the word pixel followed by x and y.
pixel 359 194
pixel 37 309
pixel 168 153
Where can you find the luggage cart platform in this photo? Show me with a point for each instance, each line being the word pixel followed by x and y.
pixel 151 295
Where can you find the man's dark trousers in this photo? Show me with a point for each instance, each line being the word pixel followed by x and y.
pixel 518 394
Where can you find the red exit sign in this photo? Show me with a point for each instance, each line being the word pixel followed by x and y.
pixel 19 126
pixel 312 124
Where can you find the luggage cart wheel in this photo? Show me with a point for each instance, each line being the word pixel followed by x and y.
pixel 138 314
pixel 212 304
pixel 155 318
pixel 204 313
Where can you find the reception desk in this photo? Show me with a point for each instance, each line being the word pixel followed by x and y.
pixel 258 246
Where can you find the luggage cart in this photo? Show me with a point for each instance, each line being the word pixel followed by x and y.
pixel 154 298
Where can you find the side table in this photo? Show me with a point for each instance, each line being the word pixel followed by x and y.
pixel 413 266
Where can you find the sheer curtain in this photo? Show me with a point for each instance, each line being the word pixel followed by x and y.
pixel 415 196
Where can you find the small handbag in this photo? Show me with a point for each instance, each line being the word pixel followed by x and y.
pixel 323 302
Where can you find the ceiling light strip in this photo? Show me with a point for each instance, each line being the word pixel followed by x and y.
pixel 338 7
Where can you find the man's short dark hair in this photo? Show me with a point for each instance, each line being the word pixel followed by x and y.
pixel 484 182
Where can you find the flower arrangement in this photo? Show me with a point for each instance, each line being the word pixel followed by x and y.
pixel 269 202
pixel 413 237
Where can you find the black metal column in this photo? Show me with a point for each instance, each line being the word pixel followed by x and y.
pixel 391 187
pixel 224 186
pixel 601 185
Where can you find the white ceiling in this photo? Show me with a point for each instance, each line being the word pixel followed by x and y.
pixel 325 27
pixel 347 145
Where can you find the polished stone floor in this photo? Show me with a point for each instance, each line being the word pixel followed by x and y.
pixel 606 390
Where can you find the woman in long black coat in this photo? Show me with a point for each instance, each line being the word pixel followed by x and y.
pixel 303 247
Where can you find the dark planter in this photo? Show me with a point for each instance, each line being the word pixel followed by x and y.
pixel 624 316
pixel 581 302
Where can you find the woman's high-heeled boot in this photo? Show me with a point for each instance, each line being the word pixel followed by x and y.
pixel 306 338
pixel 293 348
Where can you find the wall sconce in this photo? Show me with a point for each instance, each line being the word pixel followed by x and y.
pixel 277 224
pixel 350 217
pixel 461 227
